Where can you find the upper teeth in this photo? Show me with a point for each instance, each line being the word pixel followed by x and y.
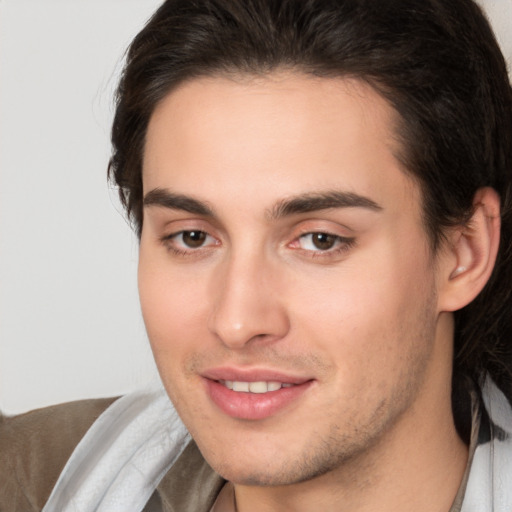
pixel 255 387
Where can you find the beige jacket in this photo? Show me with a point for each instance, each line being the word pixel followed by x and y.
pixel 35 446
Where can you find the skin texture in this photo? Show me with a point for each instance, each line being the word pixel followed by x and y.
pixel 363 318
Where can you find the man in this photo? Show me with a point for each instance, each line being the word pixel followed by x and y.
pixel 320 189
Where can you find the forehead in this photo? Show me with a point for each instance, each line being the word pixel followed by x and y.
pixel 271 136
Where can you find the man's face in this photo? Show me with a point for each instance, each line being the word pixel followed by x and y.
pixel 283 249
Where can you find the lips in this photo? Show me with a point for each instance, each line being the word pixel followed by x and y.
pixel 253 394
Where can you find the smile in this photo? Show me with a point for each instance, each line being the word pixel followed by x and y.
pixel 254 387
pixel 255 399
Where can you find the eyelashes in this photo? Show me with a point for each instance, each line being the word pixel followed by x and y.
pixel 186 242
pixel 315 244
pixel 323 242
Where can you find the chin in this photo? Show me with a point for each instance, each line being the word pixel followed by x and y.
pixel 274 467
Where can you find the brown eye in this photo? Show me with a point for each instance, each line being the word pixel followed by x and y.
pixel 322 245
pixel 323 241
pixel 194 239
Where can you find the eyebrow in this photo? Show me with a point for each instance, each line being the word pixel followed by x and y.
pixel 167 199
pixel 321 201
pixel 302 203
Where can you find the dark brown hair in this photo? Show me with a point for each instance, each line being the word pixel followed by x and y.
pixel 437 63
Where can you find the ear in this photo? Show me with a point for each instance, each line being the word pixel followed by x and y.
pixel 467 261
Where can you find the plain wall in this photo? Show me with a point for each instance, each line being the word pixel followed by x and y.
pixel 70 325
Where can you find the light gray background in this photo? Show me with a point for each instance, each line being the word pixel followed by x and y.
pixel 70 325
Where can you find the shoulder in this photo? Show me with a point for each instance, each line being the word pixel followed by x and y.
pixel 35 446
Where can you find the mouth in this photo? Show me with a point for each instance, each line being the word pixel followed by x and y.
pixel 254 395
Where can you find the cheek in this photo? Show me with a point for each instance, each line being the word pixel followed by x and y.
pixel 355 328
pixel 173 307
pixel 366 314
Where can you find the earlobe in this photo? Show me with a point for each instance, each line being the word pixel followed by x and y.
pixel 471 252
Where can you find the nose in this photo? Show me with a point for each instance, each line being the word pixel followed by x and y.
pixel 249 303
